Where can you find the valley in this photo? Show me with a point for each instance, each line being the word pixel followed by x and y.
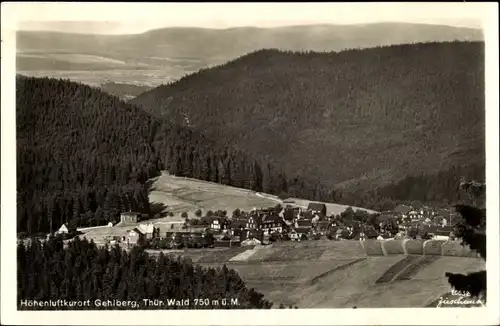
pixel 318 166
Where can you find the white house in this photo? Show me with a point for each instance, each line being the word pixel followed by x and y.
pixel 147 229
pixel 215 225
pixel 441 237
pixel 62 230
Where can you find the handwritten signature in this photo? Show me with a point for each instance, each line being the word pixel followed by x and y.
pixel 461 299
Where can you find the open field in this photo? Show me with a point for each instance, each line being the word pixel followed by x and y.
pixel 96 77
pixel 319 274
pixel 187 195
pixel 330 207
pixel 287 254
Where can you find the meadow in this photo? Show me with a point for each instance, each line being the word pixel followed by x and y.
pixel 188 195
pixel 320 274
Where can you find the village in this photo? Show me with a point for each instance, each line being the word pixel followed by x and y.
pixel 265 226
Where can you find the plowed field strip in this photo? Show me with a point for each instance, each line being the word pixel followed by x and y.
pixel 412 270
pixel 395 269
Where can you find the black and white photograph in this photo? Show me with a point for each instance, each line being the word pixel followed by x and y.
pixel 325 163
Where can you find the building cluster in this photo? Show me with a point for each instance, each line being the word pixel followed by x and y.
pixel 290 223
pixel 418 222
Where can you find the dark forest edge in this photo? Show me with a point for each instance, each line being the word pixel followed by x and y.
pixel 81 276
pixel 359 118
pixel 85 156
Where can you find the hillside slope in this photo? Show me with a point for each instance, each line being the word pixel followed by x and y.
pixel 84 156
pixel 355 118
pixel 338 274
pixel 181 194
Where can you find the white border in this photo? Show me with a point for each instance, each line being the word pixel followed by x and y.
pixel 11 13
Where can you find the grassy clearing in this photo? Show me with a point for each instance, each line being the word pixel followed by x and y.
pixel 188 195
pixel 343 249
pixel 309 282
pixel 282 254
pixel 452 265
pixel 285 282
pixel 407 294
pixel 331 208
pixel 184 194
pixel 221 256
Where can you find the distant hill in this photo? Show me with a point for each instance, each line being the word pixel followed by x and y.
pixel 356 119
pixel 180 51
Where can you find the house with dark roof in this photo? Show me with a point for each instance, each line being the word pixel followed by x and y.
pixel 290 214
pixel 238 225
pixel 428 229
pixel 447 215
pixel 323 225
pixel 271 223
pixel 443 212
pixel 385 217
pixel 253 222
pixel 299 233
pixel 414 215
pixel 403 209
pixel 252 234
pixel 368 232
pixel 427 211
pixel 443 233
pixel 317 208
pixel 306 215
pixel 135 236
pixel 305 223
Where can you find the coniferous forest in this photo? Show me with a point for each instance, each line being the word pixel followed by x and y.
pixel 358 119
pixel 83 156
pixel 436 190
pixel 82 272
pixel 365 132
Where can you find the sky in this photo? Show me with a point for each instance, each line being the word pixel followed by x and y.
pixel 131 18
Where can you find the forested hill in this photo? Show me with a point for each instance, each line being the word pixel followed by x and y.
pixel 83 156
pixel 356 119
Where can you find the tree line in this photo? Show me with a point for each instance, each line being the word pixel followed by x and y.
pixel 81 271
pixel 83 156
pixel 437 190
pixel 360 117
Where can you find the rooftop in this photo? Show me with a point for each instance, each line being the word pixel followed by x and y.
pixel 130 213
